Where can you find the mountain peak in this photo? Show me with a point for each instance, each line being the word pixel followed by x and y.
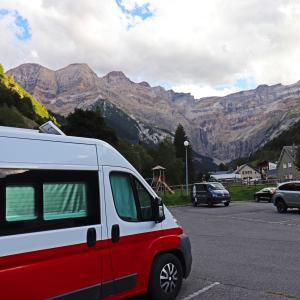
pixel 116 76
pixel 145 84
pixel 78 67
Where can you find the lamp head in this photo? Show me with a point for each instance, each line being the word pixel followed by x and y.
pixel 186 143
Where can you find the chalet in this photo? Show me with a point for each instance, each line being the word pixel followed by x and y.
pixel 286 169
pixel 248 173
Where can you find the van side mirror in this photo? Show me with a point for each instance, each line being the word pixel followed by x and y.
pixel 158 210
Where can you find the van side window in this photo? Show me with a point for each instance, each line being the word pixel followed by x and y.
pixel 132 201
pixel 145 201
pixel 20 203
pixel 201 188
pixel 40 200
pixel 286 187
pixel 64 200
pixel 297 187
pixel 123 195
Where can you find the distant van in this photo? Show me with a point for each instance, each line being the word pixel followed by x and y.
pixel 77 221
pixel 209 193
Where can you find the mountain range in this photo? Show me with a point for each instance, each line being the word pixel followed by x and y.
pixel 223 128
pixel 18 108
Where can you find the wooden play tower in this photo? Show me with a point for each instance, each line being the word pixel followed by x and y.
pixel 159 180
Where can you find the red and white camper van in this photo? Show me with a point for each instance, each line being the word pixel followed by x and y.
pixel 77 221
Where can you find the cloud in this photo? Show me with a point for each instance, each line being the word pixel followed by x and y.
pixel 17 23
pixel 215 46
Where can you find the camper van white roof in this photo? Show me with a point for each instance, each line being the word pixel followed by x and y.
pixel 37 152
pixel 48 127
pixel 17 130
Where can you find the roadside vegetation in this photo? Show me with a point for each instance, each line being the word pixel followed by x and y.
pixel 237 192
pixel 245 192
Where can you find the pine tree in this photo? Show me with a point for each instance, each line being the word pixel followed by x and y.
pixel 88 123
pixel 180 137
pixel 223 167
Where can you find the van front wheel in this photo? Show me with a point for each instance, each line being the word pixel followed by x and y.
pixel 165 278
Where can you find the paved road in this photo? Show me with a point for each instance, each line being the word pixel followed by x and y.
pixel 244 251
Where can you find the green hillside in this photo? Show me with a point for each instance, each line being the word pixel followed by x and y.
pixel 17 107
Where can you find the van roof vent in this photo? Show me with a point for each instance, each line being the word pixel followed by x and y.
pixel 50 128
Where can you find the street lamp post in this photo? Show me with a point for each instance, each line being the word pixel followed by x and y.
pixel 186 144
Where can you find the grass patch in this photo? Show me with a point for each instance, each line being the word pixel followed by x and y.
pixel 177 198
pixel 245 192
pixel 284 294
pixel 238 193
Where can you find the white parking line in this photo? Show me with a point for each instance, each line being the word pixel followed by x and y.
pixel 262 221
pixel 205 289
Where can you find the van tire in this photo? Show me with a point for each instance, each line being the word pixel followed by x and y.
pixel 226 204
pixel 165 265
pixel 281 206
pixel 210 202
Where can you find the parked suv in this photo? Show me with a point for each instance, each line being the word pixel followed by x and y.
pixel 287 195
pixel 209 193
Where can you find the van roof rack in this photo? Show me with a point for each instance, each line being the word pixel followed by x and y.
pixel 50 128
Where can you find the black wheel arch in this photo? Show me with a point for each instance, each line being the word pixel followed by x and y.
pixel 279 199
pixel 183 253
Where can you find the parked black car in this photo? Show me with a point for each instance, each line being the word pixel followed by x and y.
pixel 265 194
pixel 209 193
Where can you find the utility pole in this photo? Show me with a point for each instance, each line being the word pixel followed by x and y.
pixel 186 144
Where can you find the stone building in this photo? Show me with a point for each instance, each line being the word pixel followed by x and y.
pixel 286 169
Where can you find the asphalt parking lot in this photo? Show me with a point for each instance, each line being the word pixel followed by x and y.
pixel 244 251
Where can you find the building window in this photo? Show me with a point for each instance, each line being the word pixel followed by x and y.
pixel 289 165
pixel 284 166
pixel 291 176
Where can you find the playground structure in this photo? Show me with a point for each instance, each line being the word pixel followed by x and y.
pixel 159 180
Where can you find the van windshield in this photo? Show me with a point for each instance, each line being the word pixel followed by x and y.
pixel 216 186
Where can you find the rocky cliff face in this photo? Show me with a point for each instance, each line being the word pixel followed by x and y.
pixel 220 127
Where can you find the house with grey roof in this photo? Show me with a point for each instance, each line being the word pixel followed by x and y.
pixel 248 173
pixel 286 169
pixel 225 176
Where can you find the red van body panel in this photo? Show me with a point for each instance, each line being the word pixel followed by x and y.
pixel 48 273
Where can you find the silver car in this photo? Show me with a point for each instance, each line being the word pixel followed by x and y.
pixel 287 195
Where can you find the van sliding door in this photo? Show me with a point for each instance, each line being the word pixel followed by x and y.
pixel 50 235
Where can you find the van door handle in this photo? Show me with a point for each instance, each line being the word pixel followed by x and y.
pixel 91 237
pixel 115 233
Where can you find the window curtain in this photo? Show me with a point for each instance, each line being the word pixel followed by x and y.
pixel 64 200
pixel 123 196
pixel 20 203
